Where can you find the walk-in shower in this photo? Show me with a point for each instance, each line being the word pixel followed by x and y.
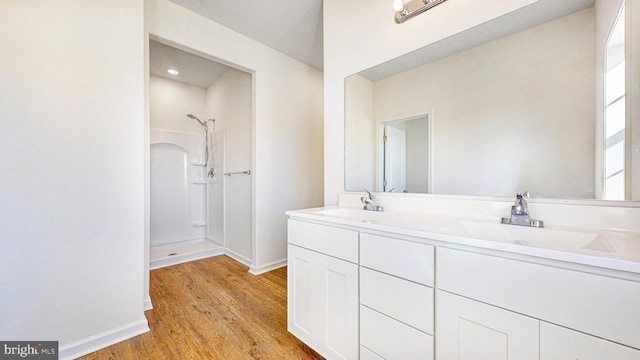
pixel 192 205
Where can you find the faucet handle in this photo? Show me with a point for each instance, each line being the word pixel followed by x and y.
pixel 525 194
pixel 520 206
pixel 371 196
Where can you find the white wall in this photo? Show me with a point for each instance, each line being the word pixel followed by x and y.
pixel 229 101
pixel 360 150
pixel 170 101
pixel 287 120
pixel 502 115
pixel 71 190
pixel 354 43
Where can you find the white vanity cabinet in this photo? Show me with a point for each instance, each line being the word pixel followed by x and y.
pixel 396 298
pixel 358 291
pixel 322 285
pixel 485 300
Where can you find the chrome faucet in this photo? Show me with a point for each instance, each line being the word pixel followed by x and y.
pixel 369 202
pixel 520 213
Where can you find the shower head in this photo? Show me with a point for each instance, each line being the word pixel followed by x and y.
pixel 190 116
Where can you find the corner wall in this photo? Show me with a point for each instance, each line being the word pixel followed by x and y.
pixel 71 190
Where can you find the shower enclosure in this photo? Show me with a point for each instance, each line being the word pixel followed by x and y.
pixel 184 215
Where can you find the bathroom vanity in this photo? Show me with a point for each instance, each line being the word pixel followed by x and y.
pixel 419 281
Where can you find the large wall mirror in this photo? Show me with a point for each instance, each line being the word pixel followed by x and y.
pixel 534 100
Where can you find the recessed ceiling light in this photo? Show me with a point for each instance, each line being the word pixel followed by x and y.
pixel 173 71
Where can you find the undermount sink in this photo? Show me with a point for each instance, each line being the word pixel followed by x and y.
pixel 353 214
pixel 522 235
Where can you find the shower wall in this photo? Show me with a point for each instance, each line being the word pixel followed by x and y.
pixel 229 100
pixel 177 187
pixel 178 177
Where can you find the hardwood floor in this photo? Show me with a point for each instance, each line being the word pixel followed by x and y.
pixel 214 309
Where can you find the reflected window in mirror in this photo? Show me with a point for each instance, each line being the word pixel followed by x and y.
pixel 615 112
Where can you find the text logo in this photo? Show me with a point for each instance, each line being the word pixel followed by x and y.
pixel 36 350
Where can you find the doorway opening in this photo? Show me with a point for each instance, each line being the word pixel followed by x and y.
pixel 404 163
pixel 200 138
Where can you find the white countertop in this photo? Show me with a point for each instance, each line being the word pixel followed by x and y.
pixel 606 248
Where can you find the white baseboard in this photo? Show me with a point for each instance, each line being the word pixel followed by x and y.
pixel 147 304
pixel 268 267
pixel 103 340
pixel 237 257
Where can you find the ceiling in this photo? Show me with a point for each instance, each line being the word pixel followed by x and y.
pixel 293 27
pixel 193 69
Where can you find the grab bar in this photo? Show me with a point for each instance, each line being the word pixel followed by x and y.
pixel 248 172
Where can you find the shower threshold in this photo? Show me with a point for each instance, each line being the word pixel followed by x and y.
pixel 181 252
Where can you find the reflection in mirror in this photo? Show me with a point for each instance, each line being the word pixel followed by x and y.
pixel 614 114
pixel 405 155
pixel 514 104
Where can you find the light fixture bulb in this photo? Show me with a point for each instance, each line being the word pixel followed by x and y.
pixel 398 5
pixel 173 71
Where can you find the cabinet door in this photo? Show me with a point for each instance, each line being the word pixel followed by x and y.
pixel 391 339
pixel 558 343
pixel 471 330
pixel 366 354
pixel 337 308
pixel 302 294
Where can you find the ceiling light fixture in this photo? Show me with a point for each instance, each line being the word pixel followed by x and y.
pixel 413 8
pixel 173 71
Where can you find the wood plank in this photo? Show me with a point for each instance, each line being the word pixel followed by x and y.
pixel 214 309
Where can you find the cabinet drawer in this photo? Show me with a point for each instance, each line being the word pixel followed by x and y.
pixel 336 242
pixel 558 343
pixel 403 300
pixel 391 339
pixel 405 259
pixel 599 305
